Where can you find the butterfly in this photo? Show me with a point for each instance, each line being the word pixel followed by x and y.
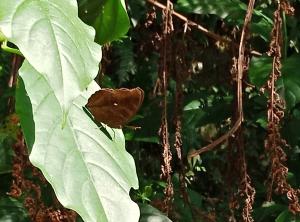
pixel 115 107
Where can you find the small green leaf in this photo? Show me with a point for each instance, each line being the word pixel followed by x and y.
pixel 262 121
pixel 194 104
pixel 25 114
pixel 151 214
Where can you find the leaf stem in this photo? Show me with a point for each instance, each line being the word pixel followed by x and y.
pixel 285 37
pixel 9 49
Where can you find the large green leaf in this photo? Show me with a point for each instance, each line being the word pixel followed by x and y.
pixel 288 85
pixel 55 42
pixel 11 210
pixel 284 216
pixel 113 22
pixel 262 213
pixel 90 172
pixel 259 71
pixel 221 8
pixel 232 10
pixel 108 17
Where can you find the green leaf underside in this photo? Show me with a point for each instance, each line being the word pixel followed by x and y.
pixel 55 42
pixel 89 172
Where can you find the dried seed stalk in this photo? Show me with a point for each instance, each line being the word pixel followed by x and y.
pixel 274 144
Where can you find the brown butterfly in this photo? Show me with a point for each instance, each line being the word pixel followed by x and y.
pixel 115 107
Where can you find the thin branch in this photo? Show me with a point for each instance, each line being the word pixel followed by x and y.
pixel 240 71
pixel 218 141
pixel 200 27
pixel 246 191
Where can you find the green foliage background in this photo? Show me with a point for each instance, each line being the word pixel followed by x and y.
pixel 208 104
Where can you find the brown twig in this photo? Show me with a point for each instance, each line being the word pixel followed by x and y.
pixel 15 65
pixel 200 27
pixel 246 191
pixel 218 141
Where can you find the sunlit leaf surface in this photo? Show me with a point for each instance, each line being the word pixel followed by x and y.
pixel 89 172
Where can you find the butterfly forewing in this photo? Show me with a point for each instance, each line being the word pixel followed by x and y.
pixel 115 107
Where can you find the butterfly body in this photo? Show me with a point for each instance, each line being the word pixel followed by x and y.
pixel 115 107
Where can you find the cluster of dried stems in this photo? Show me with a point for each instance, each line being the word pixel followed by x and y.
pixel 236 151
pixel 274 143
pixel 31 189
pixel 163 82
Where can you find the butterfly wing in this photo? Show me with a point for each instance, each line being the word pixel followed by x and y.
pixel 115 107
